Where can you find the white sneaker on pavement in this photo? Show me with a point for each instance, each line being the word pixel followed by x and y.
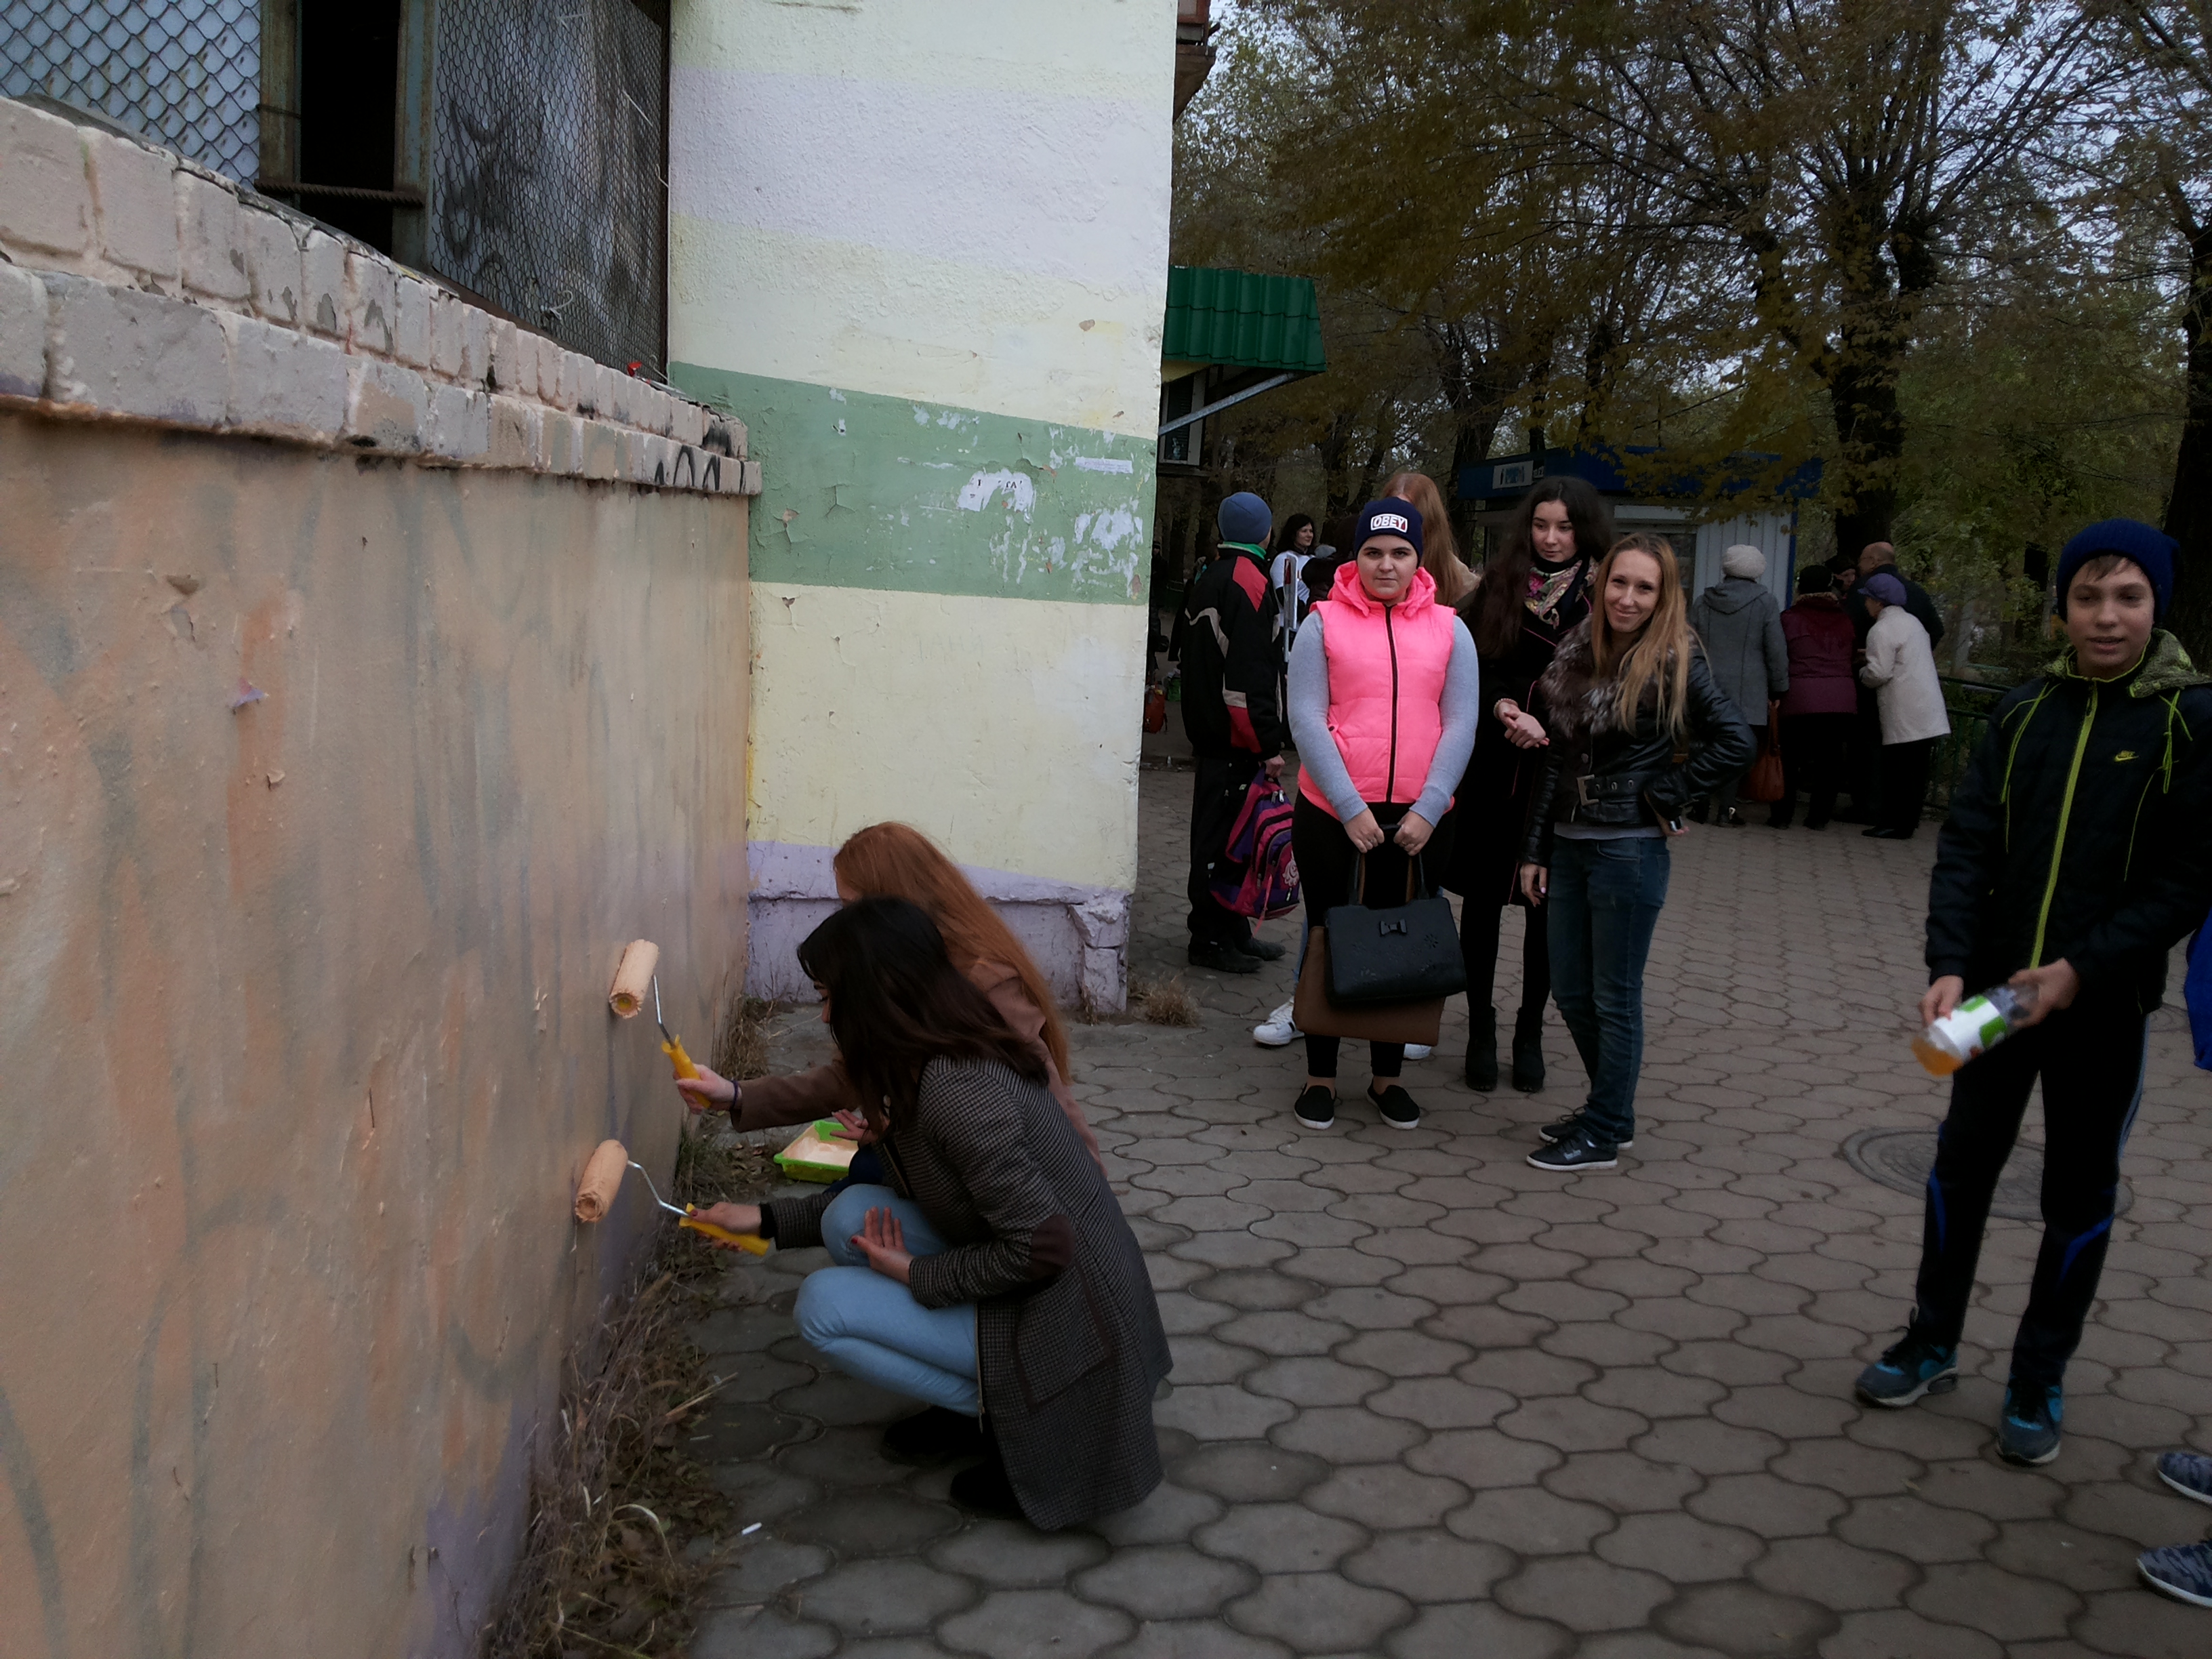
pixel 1419 1050
pixel 1279 1030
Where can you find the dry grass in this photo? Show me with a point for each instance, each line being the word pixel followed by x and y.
pixel 741 1041
pixel 618 1505
pixel 1163 1002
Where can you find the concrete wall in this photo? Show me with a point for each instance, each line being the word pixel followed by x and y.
pixel 335 771
pixel 924 249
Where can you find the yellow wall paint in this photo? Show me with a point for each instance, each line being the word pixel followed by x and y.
pixel 1006 728
pixel 1003 342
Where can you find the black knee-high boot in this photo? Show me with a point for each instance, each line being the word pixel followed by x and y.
pixel 1482 1047
pixel 1528 1049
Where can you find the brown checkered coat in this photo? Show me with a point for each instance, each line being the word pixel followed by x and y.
pixel 1067 1332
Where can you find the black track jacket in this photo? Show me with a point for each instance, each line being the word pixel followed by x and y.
pixel 2083 829
pixel 1233 659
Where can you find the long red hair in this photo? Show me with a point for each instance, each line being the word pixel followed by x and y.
pixel 896 860
pixel 1439 547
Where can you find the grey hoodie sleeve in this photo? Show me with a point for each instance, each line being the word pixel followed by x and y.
pixel 1308 696
pixel 1462 713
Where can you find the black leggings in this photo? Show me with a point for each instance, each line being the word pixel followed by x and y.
pixel 1325 858
pixel 1481 928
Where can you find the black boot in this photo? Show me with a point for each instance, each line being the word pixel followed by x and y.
pixel 1527 1051
pixel 1482 1048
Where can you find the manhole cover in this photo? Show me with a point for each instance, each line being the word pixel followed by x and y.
pixel 1900 1159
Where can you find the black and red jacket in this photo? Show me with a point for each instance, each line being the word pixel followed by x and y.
pixel 1232 657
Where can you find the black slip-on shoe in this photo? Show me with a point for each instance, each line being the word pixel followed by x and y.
pixel 935 1436
pixel 1316 1108
pixel 1397 1108
pixel 1264 950
pixel 1222 958
pixel 1577 1154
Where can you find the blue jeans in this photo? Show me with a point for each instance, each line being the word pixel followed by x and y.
pixel 1606 896
pixel 870 1327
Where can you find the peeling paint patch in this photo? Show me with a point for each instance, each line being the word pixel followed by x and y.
pixel 1021 494
pixel 1105 464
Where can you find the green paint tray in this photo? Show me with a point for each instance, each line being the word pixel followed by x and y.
pixel 818 1153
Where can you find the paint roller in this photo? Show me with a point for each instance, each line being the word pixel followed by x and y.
pixel 634 974
pixel 603 1175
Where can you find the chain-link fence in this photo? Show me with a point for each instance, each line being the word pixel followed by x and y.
pixel 186 73
pixel 549 193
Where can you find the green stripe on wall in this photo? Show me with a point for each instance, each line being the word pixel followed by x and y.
pixel 868 491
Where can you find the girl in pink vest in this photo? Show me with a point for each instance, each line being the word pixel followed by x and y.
pixel 1384 695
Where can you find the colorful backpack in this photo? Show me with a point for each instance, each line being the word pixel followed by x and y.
pixel 1259 845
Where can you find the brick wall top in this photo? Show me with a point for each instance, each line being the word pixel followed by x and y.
pixel 137 285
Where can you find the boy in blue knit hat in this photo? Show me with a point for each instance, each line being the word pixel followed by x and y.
pixel 2073 860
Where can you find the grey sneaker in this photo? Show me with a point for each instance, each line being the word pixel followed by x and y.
pixel 2189 1474
pixel 1575 1153
pixel 2028 1431
pixel 2181 1571
pixel 1559 1128
pixel 1909 1369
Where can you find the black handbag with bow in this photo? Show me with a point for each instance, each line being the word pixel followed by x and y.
pixel 1407 952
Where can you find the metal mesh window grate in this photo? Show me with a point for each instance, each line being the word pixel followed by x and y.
pixel 549 195
pixel 186 73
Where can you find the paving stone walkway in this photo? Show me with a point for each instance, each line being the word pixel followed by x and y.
pixel 1429 1403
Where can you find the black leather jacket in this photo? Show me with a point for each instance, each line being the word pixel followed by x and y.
pixel 1618 779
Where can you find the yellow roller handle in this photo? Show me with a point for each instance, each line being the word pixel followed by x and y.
pixel 752 1241
pixel 674 1049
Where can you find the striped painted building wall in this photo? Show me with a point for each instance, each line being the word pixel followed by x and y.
pixel 923 248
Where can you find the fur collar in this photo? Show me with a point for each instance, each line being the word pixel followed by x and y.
pixel 1577 705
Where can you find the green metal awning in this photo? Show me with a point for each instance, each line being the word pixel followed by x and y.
pixel 1238 318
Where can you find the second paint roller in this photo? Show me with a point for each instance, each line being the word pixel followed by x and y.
pixel 602 1180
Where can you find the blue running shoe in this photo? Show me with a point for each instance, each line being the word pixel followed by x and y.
pixel 2189 1474
pixel 2028 1430
pixel 1909 1369
pixel 2181 1571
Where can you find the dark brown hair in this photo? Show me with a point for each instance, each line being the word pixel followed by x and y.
pixel 1495 613
pixel 897 1003
pixel 1286 538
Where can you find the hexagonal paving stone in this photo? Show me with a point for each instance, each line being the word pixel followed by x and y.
pixel 1020 1623
pixel 1165 1582
pixel 1320 1613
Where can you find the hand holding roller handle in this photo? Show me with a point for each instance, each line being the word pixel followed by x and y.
pixel 704 1090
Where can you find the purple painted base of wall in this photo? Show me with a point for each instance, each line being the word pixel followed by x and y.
pixel 1079 935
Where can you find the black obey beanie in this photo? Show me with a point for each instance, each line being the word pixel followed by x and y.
pixel 1388 517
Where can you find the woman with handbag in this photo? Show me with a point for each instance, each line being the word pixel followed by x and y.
pixel 1638 731
pixel 1384 693
pixel 1532 590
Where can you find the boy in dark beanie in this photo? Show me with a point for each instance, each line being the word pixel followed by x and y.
pixel 1232 713
pixel 2074 859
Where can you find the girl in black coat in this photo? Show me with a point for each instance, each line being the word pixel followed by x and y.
pixel 1532 592
pixel 991 1275
pixel 1637 730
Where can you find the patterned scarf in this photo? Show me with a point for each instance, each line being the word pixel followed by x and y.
pixel 1552 587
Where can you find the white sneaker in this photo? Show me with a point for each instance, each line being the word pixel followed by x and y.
pixel 1418 1051
pixel 1279 1031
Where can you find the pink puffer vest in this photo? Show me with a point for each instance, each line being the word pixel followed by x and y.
pixel 1386 686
